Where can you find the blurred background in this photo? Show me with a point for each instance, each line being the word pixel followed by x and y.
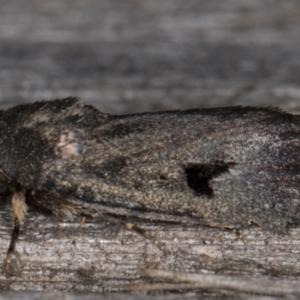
pixel 128 56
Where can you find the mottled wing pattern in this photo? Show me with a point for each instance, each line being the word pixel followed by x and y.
pixel 224 167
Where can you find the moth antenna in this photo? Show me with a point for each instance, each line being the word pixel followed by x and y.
pixel 19 211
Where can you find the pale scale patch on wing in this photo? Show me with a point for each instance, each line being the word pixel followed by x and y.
pixel 67 146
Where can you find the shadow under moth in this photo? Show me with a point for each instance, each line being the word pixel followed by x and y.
pixel 227 167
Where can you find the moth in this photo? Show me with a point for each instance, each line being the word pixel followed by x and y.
pixel 223 167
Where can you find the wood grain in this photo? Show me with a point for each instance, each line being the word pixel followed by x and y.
pixel 102 257
pixel 131 56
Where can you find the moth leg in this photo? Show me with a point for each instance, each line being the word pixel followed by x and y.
pixel 132 227
pixel 19 212
pixel 54 205
pixel 238 234
pixel 139 230
pixel 144 233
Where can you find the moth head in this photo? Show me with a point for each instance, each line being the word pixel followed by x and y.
pixel 5 188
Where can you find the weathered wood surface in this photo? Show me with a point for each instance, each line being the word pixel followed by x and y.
pixel 132 56
pixel 129 56
pixel 103 257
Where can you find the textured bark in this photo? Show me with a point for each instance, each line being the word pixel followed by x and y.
pixel 103 257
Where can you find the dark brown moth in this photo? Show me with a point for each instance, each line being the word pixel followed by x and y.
pixel 224 167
